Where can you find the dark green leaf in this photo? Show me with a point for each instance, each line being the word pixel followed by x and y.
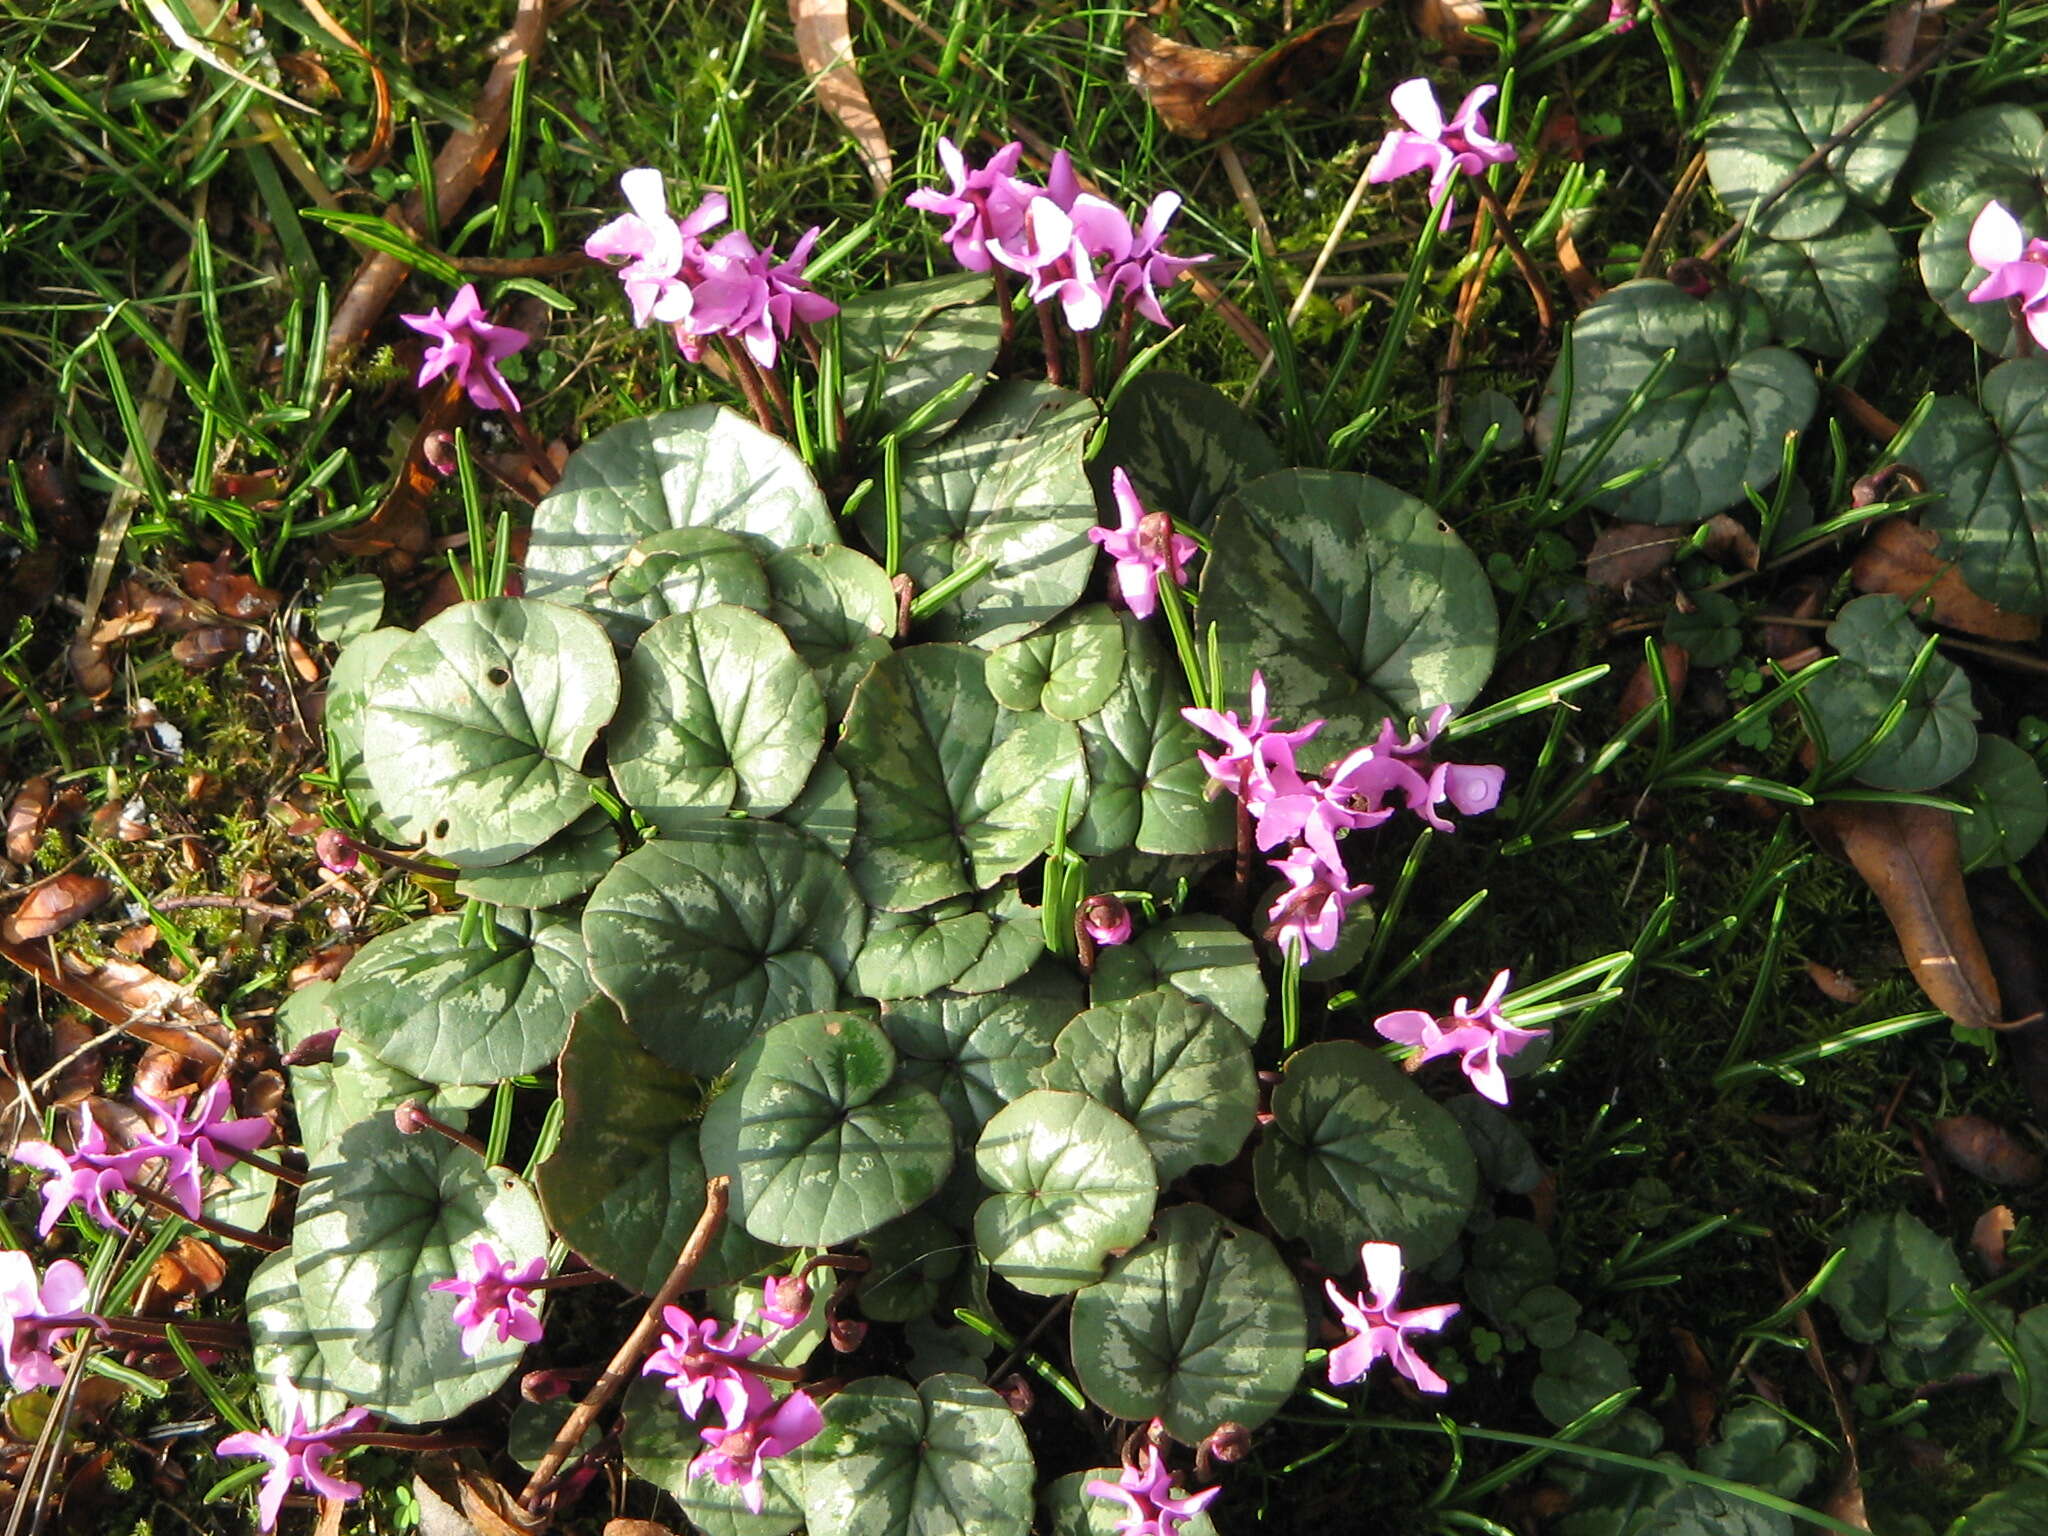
pixel 1937 737
pixel 1184 445
pixel 945 1458
pixel 1073 1183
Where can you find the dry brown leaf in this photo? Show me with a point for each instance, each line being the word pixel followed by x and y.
pixel 206 648
pixel 90 668
pixel 1912 28
pixel 1987 1237
pixel 1448 24
pixel 27 815
pixel 1899 558
pixel 234 595
pixel 1628 553
pixel 1909 857
pixel 1583 282
pixel 79 1077
pixel 1726 537
pixel 1988 1150
pixel 824 41
pixel 625 1527
pixel 189 1267
pixel 55 905
pixel 1641 691
pixel 1181 81
pixel 1838 985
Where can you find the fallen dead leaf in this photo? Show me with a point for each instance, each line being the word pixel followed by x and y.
pixel 1807 596
pixel 71 1043
pixel 54 906
pixel 1987 1237
pixel 1584 283
pixel 189 1267
pixel 232 594
pixel 1988 1150
pixel 2016 940
pixel 1641 691
pixel 1627 553
pixel 90 668
pixel 1912 28
pixel 27 815
pixel 1182 81
pixel 1899 558
pixel 824 42
pixel 137 941
pixel 1909 857
pixel 1838 985
pixel 1726 537
pixel 1448 24
pixel 624 1527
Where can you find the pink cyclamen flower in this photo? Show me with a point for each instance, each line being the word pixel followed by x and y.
pixel 499 1297
pixel 33 1319
pixel 1479 1035
pixel 85 1176
pixel 1255 746
pixel 470 345
pixel 702 1367
pixel 766 1429
pixel 1145 269
pixel 185 1142
pixel 984 205
pixel 336 850
pixel 1428 143
pixel 1309 914
pixel 2018 267
pixel 297 1455
pixel 1407 768
pixel 652 250
pixel 778 299
pixel 1146 1492
pixel 1144 546
pixel 1106 919
pixel 785 1300
pixel 1289 808
pixel 1621 15
pixel 1378 1329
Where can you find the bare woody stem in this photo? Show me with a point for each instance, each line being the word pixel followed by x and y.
pixel 1546 310
pixel 233 1234
pixel 620 1371
pixel 133 1331
pixel 276 1170
pixel 567 1282
pixel 1084 349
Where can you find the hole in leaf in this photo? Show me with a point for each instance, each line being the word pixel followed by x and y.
pixel 497 677
pixel 441 827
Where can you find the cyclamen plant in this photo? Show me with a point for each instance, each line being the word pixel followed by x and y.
pixel 876 853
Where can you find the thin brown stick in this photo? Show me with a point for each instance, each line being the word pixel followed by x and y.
pixel 1885 101
pixel 233 1234
pixel 1546 309
pixel 748 378
pixel 627 1358
pixel 1689 183
pixel 1050 334
pixel 1998 655
pixel 225 904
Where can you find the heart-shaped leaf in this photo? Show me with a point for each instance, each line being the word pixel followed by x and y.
pixel 450 1012
pixel 1894 1283
pixel 2016 1511
pixel 659 1444
pixel 827 810
pixel 1776 105
pixel 704 939
pixel 1007 485
pixel 1714 424
pixel 941 1459
pixel 1356 1154
pixel 348 696
pixel 955 791
pixel 1200 1324
pixel 625 1184
pixel 838 609
pixel 1184 445
pixel 1146 787
pixel 1197 954
pixel 1350 596
pixel 702 467
pixel 2008 804
pixel 1176 1069
pixel 980 1052
pixel 1073 1182
pixel 1068 669
pixel 829 1146
pixel 1990 468
pixel 1014 947
pixel 333 1095
pixel 717 714
pixel 922 338
pixel 477 726
pixel 680 570
pixel 1829 294
pixel 1935 739
pixel 559 870
pixel 382 1218
pixel 280 1344
pixel 1997 153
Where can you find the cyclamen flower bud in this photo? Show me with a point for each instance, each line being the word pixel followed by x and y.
pixel 1107 920
pixel 410 1118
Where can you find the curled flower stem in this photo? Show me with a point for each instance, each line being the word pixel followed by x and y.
pixel 1546 310
pixel 620 1371
pixel 1051 333
pixel 233 1234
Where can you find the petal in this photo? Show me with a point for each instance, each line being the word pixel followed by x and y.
pixel 1415 102
pixel 64 1289
pixel 1382 1264
pixel 1352 1359
pixel 1467 119
pixel 1996 237
pixel 1408 1026
pixel 1402 154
